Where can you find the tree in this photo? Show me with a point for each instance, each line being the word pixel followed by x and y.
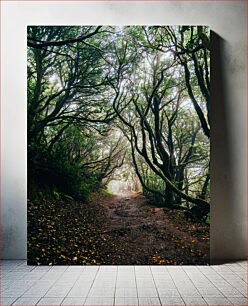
pixel 68 94
pixel 190 45
pixel 88 87
pixel 145 125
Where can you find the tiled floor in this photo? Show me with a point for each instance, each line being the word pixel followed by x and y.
pixel 123 285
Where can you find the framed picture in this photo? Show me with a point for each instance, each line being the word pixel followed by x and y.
pixel 118 125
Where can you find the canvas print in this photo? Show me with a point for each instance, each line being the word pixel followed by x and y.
pixel 118 131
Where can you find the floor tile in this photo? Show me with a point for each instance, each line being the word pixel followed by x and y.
pixel 210 292
pixel 239 301
pixel 102 292
pixel 121 301
pixel 58 291
pixel 59 268
pixel 126 292
pixel 189 293
pixel 50 301
pixel 10 292
pixel 38 290
pixel 99 301
pixel 230 292
pixel 108 268
pixel 126 275
pixel 130 285
pixel 4 301
pixel 147 292
pixel 125 268
pixel 73 301
pixel 42 268
pixel 26 301
pixel 125 283
pixel 194 301
pixel 163 292
pixel 148 283
pixel 166 301
pixel 149 301
pixel 75 269
pixel 79 291
pixel 217 301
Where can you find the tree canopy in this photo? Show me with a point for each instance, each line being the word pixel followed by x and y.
pixel 105 98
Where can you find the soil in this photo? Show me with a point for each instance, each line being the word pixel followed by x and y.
pixel 151 235
pixel 124 229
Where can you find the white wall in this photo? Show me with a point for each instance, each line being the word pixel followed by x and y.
pixel 229 98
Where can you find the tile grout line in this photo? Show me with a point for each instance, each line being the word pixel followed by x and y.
pixel 32 286
pixel 212 284
pixel 224 280
pixel 14 301
pixel 135 277
pixel 72 286
pixel 155 285
pixel 175 284
pixel 237 273
pixel 98 268
pixel 194 284
pixel 21 296
pixel 117 271
pixel 232 285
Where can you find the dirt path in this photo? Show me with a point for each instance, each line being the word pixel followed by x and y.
pixel 144 234
pixel 112 230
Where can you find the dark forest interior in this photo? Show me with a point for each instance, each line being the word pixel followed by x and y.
pixel 118 145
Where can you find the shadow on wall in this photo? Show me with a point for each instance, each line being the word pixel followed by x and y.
pixel 223 209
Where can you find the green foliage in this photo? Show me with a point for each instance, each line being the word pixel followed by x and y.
pixel 56 195
pixel 105 192
pixel 185 28
pixel 122 81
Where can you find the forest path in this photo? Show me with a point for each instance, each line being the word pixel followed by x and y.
pixel 144 234
pixel 108 229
